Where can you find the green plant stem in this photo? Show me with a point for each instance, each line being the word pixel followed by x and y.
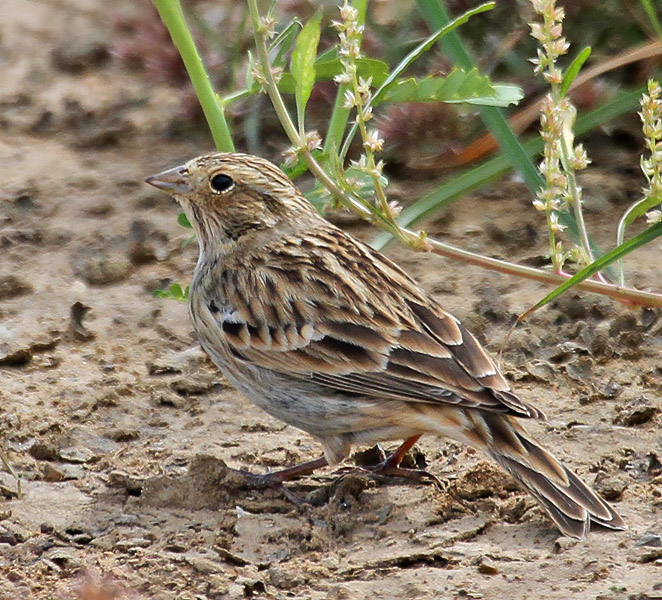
pixel 576 201
pixel 235 97
pixel 369 154
pixel 172 16
pixel 616 292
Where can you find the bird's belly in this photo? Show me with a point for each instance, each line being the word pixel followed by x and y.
pixel 309 407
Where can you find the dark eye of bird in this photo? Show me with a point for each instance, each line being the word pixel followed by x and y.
pixel 221 183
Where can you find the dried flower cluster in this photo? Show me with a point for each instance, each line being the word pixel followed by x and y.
pixel 552 44
pixel 358 96
pixel 651 117
pixel 561 157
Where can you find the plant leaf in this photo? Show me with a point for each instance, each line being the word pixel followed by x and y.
pixel 573 69
pixel 303 64
pixel 457 86
pixel 325 70
pixel 173 292
pixel 638 209
pixel 426 44
pixel 505 95
pixel 616 254
pixel 182 220
pixel 283 42
pixel 301 166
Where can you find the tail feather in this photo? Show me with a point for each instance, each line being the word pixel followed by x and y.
pixel 571 504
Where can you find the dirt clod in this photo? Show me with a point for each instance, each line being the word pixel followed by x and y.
pixel 13 286
pixel 80 53
pixel 612 488
pixel 636 412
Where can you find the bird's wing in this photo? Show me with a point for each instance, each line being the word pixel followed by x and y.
pixel 353 321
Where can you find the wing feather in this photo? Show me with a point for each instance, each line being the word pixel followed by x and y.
pixel 359 325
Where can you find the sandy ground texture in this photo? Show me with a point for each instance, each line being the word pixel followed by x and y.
pixel 121 428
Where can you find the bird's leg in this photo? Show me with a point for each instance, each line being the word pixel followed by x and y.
pixel 277 478
pixel 390 466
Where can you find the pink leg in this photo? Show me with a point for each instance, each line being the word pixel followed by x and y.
pixel 276 478
pixel 390 466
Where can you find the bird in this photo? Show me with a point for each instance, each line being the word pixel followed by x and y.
pixel 335 339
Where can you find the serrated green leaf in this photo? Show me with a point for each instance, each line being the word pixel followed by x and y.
pixel 617 253
pixel 573 70
pixel 425 45
pixel 303 64
pixel 457 86
pixel 182 220
pixel 327 69
pixel 506 95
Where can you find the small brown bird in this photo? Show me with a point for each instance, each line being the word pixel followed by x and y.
pixel 331 337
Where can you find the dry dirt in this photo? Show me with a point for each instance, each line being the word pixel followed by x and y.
pixel 119 427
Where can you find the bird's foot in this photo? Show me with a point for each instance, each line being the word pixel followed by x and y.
pixel 384 470
pixel 390 466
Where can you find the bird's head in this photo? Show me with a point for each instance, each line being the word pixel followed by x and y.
pixel 229 195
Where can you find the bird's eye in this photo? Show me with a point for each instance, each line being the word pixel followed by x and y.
pixel 221 183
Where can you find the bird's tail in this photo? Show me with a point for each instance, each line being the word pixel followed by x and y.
pixel 571 504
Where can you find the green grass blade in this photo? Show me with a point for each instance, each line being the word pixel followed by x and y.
pixel 573 70
pixel 171 14
pixel 617 253
pixel 652 16
pixel 638 209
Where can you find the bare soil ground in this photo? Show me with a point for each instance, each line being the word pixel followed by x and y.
pixel 120 427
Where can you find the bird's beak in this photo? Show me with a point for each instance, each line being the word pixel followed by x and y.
pixel 175 181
